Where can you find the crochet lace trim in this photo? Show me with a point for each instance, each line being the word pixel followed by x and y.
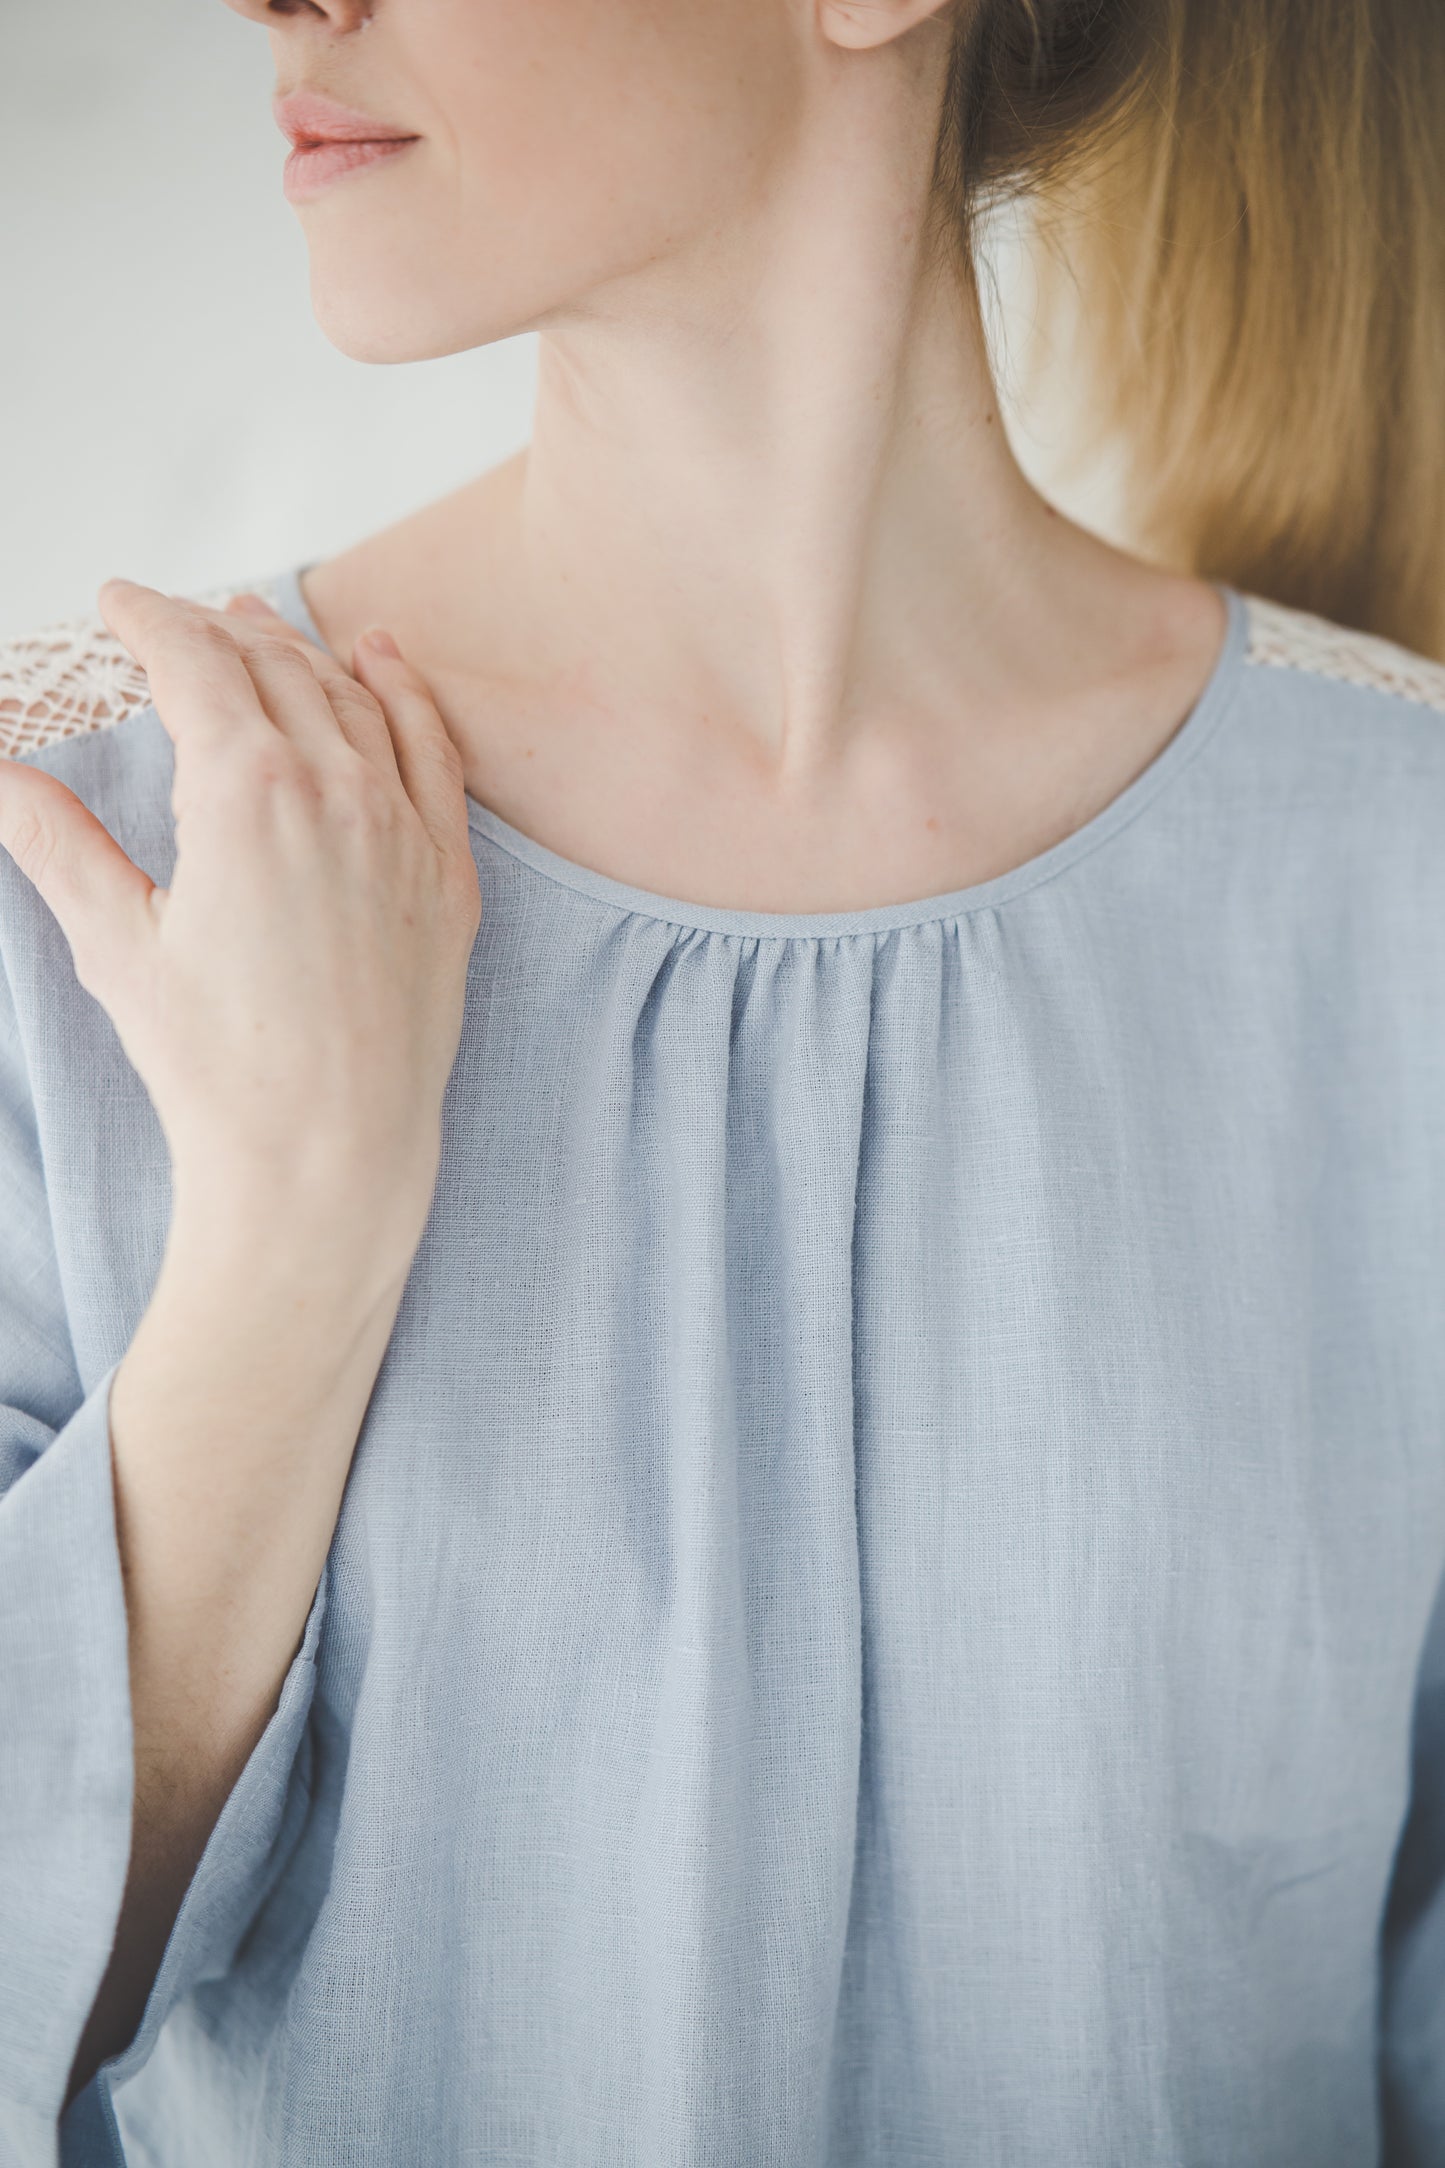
pixel 1286 639
pixel 75 675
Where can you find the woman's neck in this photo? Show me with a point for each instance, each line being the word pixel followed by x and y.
pixel 769 547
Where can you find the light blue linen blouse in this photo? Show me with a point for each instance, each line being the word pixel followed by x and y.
pixel 888 1606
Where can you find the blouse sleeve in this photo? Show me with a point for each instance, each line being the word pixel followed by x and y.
pixel 65 1715
pixel 1412 1946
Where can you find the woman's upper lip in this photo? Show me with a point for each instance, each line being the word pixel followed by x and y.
pixel 306 117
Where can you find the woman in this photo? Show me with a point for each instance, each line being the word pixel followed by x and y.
pixel 725 1423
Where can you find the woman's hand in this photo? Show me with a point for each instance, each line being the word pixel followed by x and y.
pixel 293 1001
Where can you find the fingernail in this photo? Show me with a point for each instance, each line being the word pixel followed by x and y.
pixel 252 605
pixel 379 641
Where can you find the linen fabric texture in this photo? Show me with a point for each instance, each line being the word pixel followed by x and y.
pixel 887 1607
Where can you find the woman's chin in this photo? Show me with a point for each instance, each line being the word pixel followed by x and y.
pixel 371 318
pixel 362 323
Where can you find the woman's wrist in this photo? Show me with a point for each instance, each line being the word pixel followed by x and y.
pixel 343 1240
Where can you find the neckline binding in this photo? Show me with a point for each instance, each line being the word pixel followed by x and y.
pixel 1190 737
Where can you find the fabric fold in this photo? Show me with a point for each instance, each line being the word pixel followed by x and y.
pixel 66 1780
pixel 1412 1942
pixel 66 1772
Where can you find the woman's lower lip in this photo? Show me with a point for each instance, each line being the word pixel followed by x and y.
pixel 315 166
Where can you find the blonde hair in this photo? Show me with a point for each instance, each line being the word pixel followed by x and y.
pixel 1244 200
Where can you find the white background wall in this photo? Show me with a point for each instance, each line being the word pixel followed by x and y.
pixel 168 409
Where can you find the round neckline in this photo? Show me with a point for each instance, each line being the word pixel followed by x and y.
pixel 1190 737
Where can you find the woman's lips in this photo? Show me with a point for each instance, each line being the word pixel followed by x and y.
pixel 330 139
pixel 312 167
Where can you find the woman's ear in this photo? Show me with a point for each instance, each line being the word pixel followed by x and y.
pixel 859 24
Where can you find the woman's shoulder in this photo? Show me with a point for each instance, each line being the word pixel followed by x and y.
pixel 1339 742
pixel 1334 774
pixel 75 703
pixel 1316 651
pixel 72 677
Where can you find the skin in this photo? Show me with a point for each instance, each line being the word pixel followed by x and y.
pixel 766 614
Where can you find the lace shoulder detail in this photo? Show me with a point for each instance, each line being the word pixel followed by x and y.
pixel 1281 638
pixel 74 675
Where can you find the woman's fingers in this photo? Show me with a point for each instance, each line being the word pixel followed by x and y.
pixel 394 702
pixel 261 670
pixel 101 900
pixel 207 692
pixel 356 711
pixel 254 609
pixel 427 756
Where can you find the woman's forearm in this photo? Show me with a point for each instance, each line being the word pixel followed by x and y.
pixel 233 1416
